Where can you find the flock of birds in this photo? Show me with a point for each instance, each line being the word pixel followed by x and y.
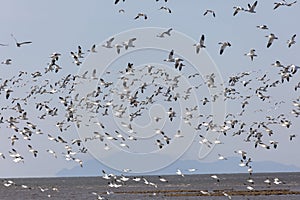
pixel 133 98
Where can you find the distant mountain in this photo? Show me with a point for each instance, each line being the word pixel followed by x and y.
pixel 94 168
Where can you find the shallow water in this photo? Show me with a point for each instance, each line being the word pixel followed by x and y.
pixel 177 187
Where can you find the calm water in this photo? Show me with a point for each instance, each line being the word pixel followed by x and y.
pixel 177 187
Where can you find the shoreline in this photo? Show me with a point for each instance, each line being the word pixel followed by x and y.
pixel 147 175
pixel 190 193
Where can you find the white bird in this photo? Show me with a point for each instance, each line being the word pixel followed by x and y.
pixel 221 157
pixel 242 153
pixel 200 44
pixel 192 169
pixel 277 181
pixel 178 172
pixel 250 188
pixel 291 41
pixel 162 179
pixel 108 43
pixel 237 9
pixel 7 61
pixel 251 8
pixel 170 57
pixel 278 4
pixel 124 179
pixel 271 38
pixel 31 150
pixel 277 64
pixel 215 177
pixel 267 181
pixel 76 58
pixel 52 152
pixel 223 46
pixel 251 54
pixel 13 139
pixel 159 144
pixel 118 47
pixel 136 179
pixel 129 43
pixel 2 155
pixel 226 195
pixel 93 49
pixel 168 32
pixel 263 27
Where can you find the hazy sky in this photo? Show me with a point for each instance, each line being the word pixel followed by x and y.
pixel 60 26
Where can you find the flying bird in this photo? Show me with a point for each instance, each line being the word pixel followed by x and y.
pixel 210 11
pixel 108 43
pixel 251 8
pixel 263 27
pixel 283 3
pixel 168 33
pixel 237 9
pixel 93 49
pixel 291 41
pixel 118 47
pixel 223 46
pixel 141 15
pixel 129 43
pixel 170 57
pixel 251 54
pixel 7 62
pixel 166 9
pixel 200 44
pixel 19 44
pixel 271 38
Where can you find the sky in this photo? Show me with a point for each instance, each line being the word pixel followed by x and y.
pixel 60 26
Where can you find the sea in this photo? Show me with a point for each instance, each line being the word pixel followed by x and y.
pixel 196 186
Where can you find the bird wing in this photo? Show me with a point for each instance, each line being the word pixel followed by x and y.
pixel 202 40
pixel 111 39
pixel 197 49
pixel 131 40
pixel 27 42
pixel 235 12
pixel 171 54
pixel 222 49
pixel 276 6
pixel 253 6
pixel 269 42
